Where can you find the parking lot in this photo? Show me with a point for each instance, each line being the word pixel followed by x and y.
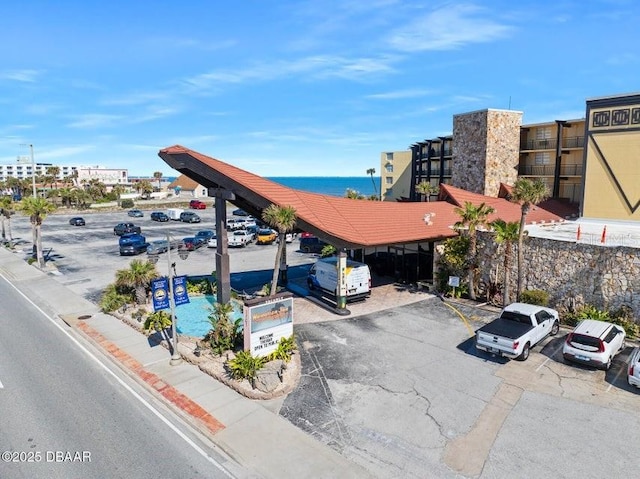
pixel 405 393
pixel 86 257
pixel 401 389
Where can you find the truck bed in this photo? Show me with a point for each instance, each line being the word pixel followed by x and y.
pixel 506 328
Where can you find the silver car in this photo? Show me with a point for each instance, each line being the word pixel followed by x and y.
pixel 157 247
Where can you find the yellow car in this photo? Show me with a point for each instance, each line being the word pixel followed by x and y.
pixel 266 236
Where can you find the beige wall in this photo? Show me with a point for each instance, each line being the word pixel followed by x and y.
pixel 612 173
pixel 400 177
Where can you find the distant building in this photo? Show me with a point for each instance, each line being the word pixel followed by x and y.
pixel 23 169
pixel 108 176
pixel 185 186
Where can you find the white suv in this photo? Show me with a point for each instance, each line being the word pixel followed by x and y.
pixel 594 343
pixel 633 373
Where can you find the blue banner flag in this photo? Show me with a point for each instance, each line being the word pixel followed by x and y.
pixel 180 294
pixel 160 293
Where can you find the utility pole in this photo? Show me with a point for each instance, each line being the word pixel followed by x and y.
pixel 33 172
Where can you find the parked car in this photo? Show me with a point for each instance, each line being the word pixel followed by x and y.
pixel 633 372
pixel 158 246
pixel 236 224
pixel 519 327
pixel 159 216
pixel 205 235
pixel 124 228
pixel 135 213
pixel 197 205
pixel 594 343
pixel 311 244
pixel 240 212
pixel 189 217
pixel 239 239
pixel 77 221
pixel 253 231
pixel 266 236
pixel 192 243
pixel 213 242
pixel 132 243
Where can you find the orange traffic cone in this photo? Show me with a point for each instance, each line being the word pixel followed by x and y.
pixel 578 233
pixel 604 234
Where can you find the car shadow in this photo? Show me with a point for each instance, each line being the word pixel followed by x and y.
pixel 468 346
pixel 616 376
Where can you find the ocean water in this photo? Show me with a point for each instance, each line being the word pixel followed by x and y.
pixel 331 185
pixel 328 185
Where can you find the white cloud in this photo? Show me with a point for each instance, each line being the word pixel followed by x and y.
pixel 26 76
pixel 95 120
pixel 320 66
pixel 61 152
pixel 401 94
pixel 448 28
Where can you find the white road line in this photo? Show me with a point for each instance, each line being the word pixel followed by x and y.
pixel 543 364
pixel 1 386
pixel 144 402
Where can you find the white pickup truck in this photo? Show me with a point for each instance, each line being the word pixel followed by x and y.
pixel 239 239
pixel 519 327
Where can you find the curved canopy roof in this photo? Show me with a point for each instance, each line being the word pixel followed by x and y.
pixel 343 222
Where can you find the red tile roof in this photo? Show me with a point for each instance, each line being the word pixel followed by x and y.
pixel 343 222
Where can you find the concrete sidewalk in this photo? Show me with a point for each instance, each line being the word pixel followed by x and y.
pixel 262 442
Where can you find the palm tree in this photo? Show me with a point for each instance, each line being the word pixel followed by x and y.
pixel 283 219
pixel 37 209
pixel 508 234
pixel 138 276
pixel 145 188
pixel 158 176
pixel 353 194
pixel 53 171
pixel 526 193
pixel 6 211
pixel 426 189
pixel 471 217
pixel 118 190
pixel 372 171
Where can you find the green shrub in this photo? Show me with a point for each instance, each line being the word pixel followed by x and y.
pixel 245 366
pixel 127 203
pixel 158 321
pixel 535 296
pixel 328 250
pixel 624 317
pixel 285 349
pixel 113 298
pixel 200 286
pixel 225 334
pixel 586 311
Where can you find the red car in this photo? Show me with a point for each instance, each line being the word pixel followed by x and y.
pixel 197 205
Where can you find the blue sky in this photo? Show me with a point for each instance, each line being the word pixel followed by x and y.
pixel 293 88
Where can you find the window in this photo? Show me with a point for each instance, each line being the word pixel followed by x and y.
pixel 389 168
pixel 543 158
pixel 389 180
pixel 389 156
pixel 543 133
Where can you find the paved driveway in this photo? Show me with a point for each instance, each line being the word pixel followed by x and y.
pixel 404 393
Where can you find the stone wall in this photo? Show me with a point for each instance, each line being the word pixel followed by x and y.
pixel 607 277
pixel 486 148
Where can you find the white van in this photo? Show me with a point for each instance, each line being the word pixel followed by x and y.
pixel 174 213
pixel 324 275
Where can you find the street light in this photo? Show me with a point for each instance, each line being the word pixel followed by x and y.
pixel 33 170
pixel 184 254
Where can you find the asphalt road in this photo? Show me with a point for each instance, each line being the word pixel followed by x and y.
pixel 64 416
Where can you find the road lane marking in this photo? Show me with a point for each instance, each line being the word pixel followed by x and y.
pixel 1 385
pixel 143 401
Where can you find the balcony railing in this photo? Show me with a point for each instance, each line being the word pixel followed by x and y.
pixel 536 170
pixel 573 142
pixel 549 170
pixel 544 144
pixel 550 143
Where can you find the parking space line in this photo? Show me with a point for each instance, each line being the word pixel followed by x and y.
pixel 1 385
pixel 543 364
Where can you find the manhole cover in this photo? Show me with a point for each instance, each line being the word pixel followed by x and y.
pixel 84 316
